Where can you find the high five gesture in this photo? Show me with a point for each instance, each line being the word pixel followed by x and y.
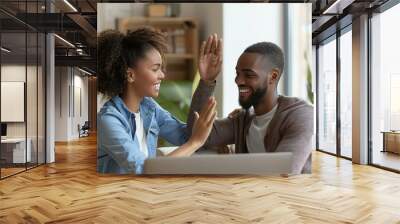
pixel 210 58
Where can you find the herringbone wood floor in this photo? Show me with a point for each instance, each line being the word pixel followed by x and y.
pixel 70 191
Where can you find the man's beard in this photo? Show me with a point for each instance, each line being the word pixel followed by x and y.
pixel 254 98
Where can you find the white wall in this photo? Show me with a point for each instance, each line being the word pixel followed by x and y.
pixel 243 25
pixel 61 103
pixel 82 83
pixel 68 81
pixel 299 20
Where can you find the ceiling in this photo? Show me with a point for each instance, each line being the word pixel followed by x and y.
pixel 330 15
pixel 76 20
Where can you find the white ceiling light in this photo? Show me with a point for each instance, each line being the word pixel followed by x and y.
pixel 5 50
pixel 337 7
pixel 331 7
pixel 65 41
pixel 70 5
pixel 86 72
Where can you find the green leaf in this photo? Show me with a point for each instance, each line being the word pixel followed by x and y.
pixel 175 97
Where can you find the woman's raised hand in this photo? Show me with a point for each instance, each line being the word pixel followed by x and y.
pixel 210 58
pixel 203 122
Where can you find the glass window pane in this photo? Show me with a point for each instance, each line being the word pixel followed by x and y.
pixel 13 86
pixel 41 98
pixel 386 89
pixel 31 97
pixel 23 85
pixel 327 97
pixel 346 94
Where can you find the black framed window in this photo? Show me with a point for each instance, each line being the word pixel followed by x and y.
pixel 22 62
pixel 334 94
pixel 384 113
pixel 346 95
pixel 326 105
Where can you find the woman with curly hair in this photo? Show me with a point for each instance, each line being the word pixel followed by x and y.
pixel 130 71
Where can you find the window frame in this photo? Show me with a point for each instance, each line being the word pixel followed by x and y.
pixel 379 10
pixel 334 37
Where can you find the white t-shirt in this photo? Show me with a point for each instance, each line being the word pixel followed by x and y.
pixel 141 135
pixel 257 131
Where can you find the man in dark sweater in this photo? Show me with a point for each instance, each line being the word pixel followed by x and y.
pixel 267 122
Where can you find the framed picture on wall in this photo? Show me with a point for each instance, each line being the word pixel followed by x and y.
pixel 12 101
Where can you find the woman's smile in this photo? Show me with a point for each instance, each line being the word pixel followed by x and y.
pixel 157 86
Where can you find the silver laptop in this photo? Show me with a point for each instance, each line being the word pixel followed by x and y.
pixel 248 163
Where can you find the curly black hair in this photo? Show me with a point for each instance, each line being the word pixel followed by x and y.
pixel 116 52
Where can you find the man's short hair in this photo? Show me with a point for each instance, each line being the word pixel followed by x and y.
pixel 271 51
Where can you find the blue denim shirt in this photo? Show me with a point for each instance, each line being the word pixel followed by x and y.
pixel 117 145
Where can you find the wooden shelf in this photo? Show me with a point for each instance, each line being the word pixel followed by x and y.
pixel 176 22
pixel 182 38
pixel 179 56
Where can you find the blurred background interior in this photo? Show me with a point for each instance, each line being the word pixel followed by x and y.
pixel 340 57
pixel 240 25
